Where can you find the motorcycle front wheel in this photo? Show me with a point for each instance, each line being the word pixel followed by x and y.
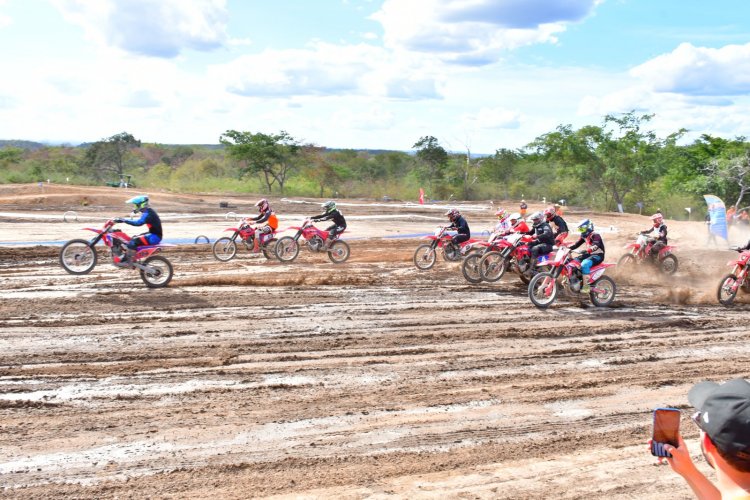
pixel 626 264
pixel 77 257
pixel 339 252
pixel 492 266
pixel 727 290
pixel 543 290
pixel 287 249
pixel 159 273
pixel 424 257
pixel 224 249
pixel 605 291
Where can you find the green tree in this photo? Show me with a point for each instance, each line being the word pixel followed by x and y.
pixel 432 160
pixel 618 157
pixel 272 156
pixel 111 156
pixel 10 156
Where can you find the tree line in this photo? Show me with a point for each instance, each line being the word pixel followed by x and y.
pixel 619 164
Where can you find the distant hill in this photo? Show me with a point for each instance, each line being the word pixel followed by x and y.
pixel 16 143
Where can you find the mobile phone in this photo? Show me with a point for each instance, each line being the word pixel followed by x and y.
pixel 666 430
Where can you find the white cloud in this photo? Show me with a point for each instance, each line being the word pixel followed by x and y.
pixel 475 32
pixel 373 118
pixel 325 69
pixel 699 71
pixel 5 20
pixel 159 28
pixel 494 118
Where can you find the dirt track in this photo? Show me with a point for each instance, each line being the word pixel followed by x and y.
pixel 367 379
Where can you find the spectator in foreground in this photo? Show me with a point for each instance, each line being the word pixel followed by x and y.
pixel 723 417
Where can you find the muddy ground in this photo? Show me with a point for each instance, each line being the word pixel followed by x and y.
pixel 370 379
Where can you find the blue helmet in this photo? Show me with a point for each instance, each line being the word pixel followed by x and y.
pixel 585 227
pixel 140 202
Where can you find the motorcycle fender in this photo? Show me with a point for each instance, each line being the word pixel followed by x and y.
pixel 233 229
pixel 633 246
pixel 596 273
pixel 664 252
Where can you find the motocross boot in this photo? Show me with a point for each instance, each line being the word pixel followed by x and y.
pixel 585 285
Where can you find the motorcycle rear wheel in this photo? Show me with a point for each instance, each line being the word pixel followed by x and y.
pixel 269 248
pixel 338 252
pixel 471 268
pixel 287 249
pixel 725 294
pixel 424 257
pixel 78 257
pixel 607 294
pixel 542 291
pixel 668 265
pixel 161 274
pixel 451 252
pixel 224 249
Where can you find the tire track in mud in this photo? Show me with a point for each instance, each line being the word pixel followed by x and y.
pixel 368 370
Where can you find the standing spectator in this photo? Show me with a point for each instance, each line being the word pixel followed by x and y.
pixel 711 236
pixel 558 209
pixel 523 206
pixel 744 218
pixel 730 215
pixel 723 418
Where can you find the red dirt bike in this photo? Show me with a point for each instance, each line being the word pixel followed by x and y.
pixel 639 252
pixel 225 248
pixel 565 274
pixel 513 253
pixel 287 248
pixel 471 268
pixel 736 280
pixel 425 255
pixel 79 256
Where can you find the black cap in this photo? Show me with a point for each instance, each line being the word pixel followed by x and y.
pixel 725 414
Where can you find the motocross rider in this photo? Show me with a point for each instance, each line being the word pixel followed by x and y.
pixel 562 227
pixel 661 234
pixel 150 218
pixel 267 215
pixel 463 233
pixel 594 253
pixel 544 239
pixel 331 213
pixel 503 225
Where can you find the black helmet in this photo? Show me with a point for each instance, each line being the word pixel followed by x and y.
pixel 329 206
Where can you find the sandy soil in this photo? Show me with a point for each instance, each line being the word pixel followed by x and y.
pixel 370 379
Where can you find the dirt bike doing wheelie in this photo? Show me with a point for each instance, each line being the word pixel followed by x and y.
pixel 79 256
pixel 225 248
pixel 287 248
pixel 736 280
pixel 565 275
pixel 639 252
pixel 425 255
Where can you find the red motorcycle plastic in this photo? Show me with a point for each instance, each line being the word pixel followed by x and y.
pixel 79 256
pixel 225 248
pixel 565 274
pixel 736 280
pixel 639 252
pixel 287 248
pixel 425 255
pixel 513 252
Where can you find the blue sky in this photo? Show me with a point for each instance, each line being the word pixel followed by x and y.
pixel 476 74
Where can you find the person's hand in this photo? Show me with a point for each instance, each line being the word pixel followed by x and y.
pixel 117 220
